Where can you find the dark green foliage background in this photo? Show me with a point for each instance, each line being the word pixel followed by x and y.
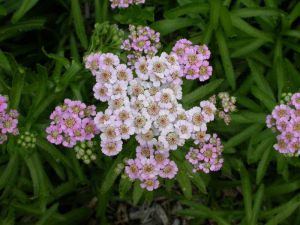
pixel 256 57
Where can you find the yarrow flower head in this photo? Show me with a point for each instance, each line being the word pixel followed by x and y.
pixel 142 41
pixel 285 122
pixel 193 60
pixel 71 123
pixel 125 3
pixel 8 120
pixel 144 101
pixel 207 156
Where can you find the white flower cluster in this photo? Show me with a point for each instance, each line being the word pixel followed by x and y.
pixel 144 102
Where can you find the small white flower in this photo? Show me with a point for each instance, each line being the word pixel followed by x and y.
pixel 184 129
pixel 209 110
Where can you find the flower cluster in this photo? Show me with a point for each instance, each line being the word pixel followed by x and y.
pixel 8 120
pixel 145 102
pixel 285 120
pixel 125 3
pixel 86 151
pixel 193 60
pixel 226 105
pixel 142 41
pixel 207 156
pixel 150 164
pixel 27 140
pixel 71 123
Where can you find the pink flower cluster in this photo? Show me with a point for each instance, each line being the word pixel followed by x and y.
pixel 207 157
pixel 71 123
pixel 193 60
pixel 150 164
pixel 125 3
pixel 8 120
pixel 285 120
pixel 144 101
pixel 142 41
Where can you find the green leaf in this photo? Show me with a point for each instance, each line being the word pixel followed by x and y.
pixel 17 87
pixel 47 215
pixel 259 196
pixel 284 214
pixel 201 92
pixel 259 79
pixel 215 8
pixel 53 151
pixel 268 102
pixel 247 49
pixel 192 8
pixel 227 64
pixel 247 192
pixel 137 193
pixel 170 25
pixel 24 8
pixel 79 23
pixel 10 169
pixel 263 165
pixel 242 136
pixel 184 183
pixel 250 30
pixel 15 29
pixel 111 175
pixel 4 63
pixel 255 12
pixel 226 21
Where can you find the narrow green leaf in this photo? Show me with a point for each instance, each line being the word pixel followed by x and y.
pixel 227 64
pixel 250 30
pixel 247 192
pixel 170 25
pixel 15 29
pixel 284 214
pixel 17 87
pixel 202 92
pixel 247 49
pixel 137 193
pixel 47 215
pixel 295 13
pixel 255 12
pixel 215 8
pixel 184 183
pixel 226 21
pixel 281 189
pixel 259 79
pixel 24 8
pixel 263 165
pixel 264 98
pixel 259 196
pixel 79 23
pixel 11 167
pixel 53 151
pixel 242 136
pixel 255 154
pixel 4 63
pixel 192 8
pixel 111 175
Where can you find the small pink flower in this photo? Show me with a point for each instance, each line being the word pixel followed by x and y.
pixel 132 169
pixel 169 171
pixel 3 103
pixel 150 184
pixel 295 100
pixel 111 148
